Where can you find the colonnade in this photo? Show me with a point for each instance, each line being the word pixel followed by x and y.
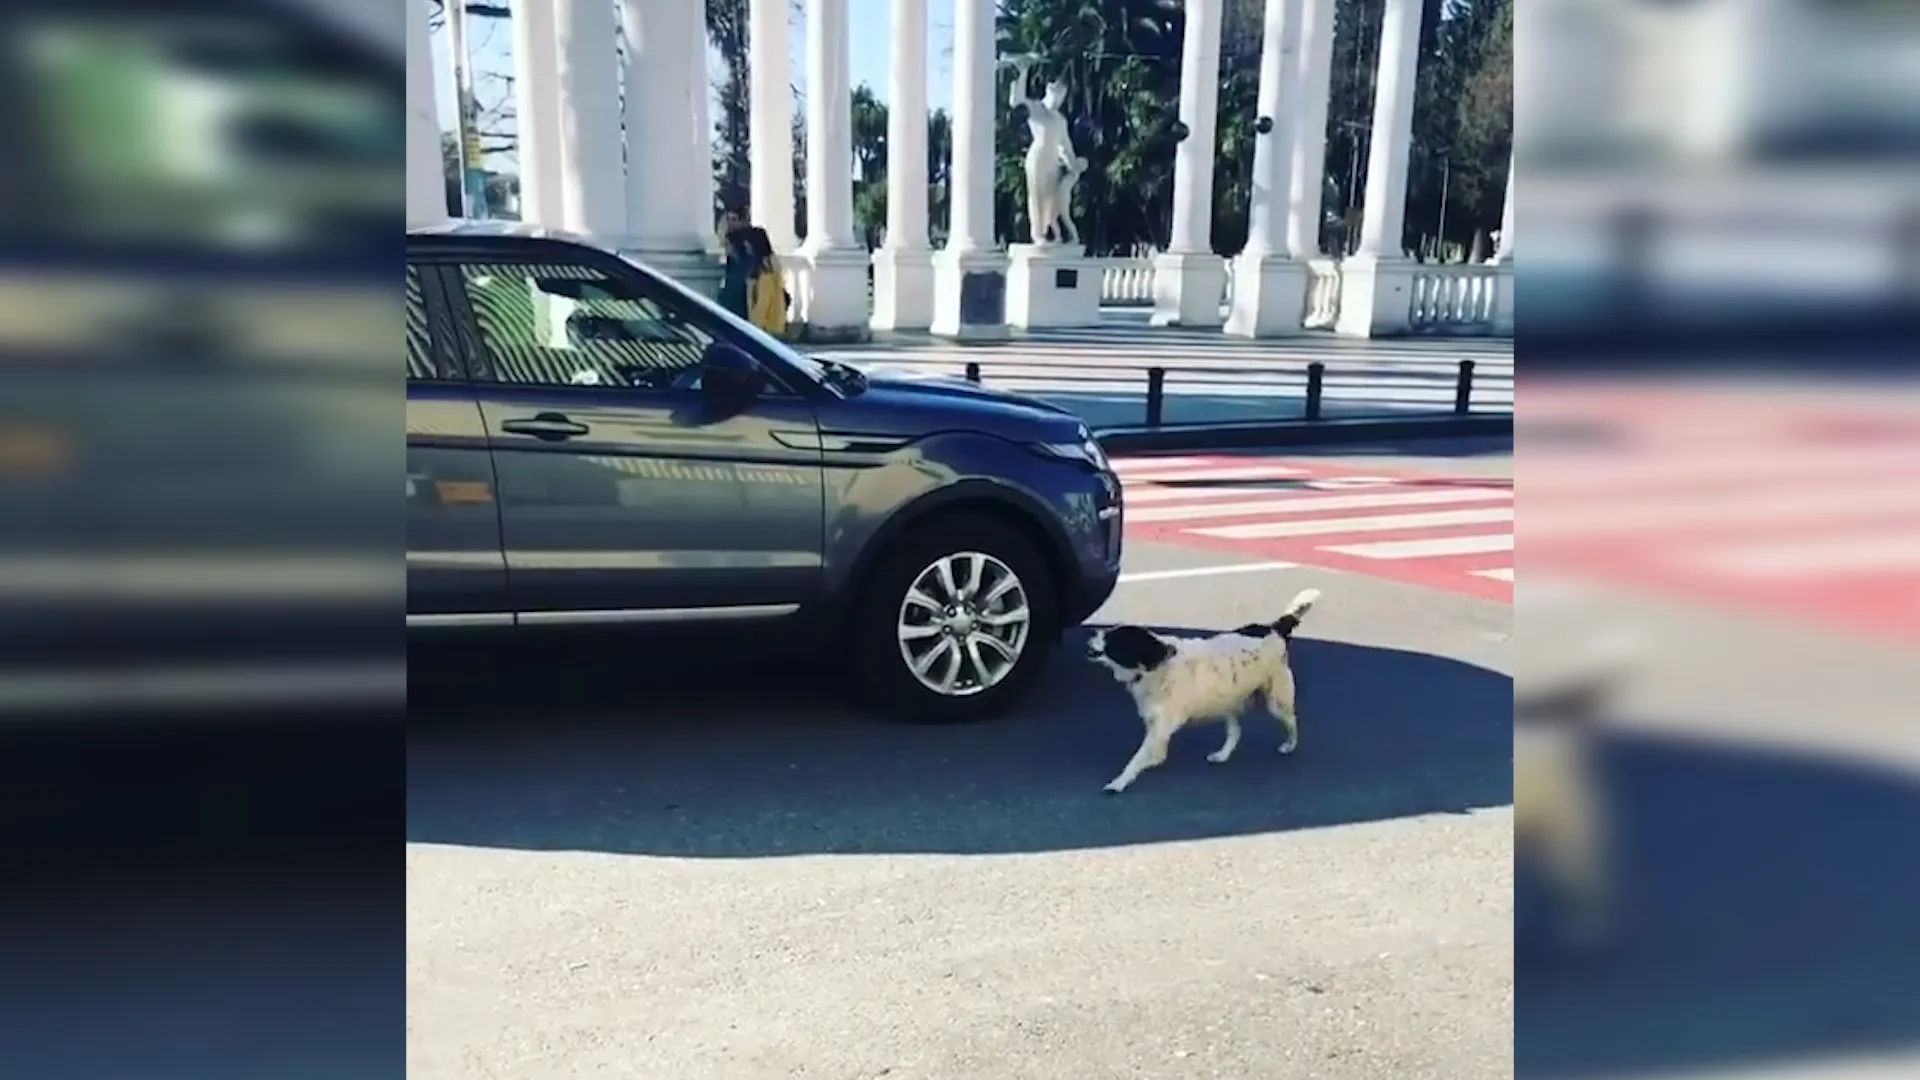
pixel 636 170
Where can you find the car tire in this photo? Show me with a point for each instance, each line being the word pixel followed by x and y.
pixel 880 658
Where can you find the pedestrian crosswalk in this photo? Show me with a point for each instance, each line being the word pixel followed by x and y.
pixel 1455 534
pixel 1799 503
pixel 1780 505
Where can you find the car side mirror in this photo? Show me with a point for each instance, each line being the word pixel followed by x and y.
pixel 729 377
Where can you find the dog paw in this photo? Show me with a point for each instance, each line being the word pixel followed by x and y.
pixel 1114 788
pixel 1289 747
pixel 1219 757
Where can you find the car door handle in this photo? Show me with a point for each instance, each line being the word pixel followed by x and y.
pixel 551 426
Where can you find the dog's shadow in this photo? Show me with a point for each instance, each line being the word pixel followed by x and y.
pixel 768 762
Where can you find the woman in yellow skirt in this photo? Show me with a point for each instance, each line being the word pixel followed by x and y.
pixel 752 286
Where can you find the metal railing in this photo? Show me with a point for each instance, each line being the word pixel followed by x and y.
pixel 1058 380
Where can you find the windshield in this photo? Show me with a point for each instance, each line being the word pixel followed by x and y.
pixel 807 365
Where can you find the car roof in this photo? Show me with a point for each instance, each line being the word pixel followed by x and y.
pixel 475 229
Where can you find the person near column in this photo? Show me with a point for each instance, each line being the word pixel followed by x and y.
pixel 751 286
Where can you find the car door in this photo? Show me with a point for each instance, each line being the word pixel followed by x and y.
pixel 623 497
pixel 456 563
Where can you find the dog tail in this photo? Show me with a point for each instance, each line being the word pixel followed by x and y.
pixel 1296 611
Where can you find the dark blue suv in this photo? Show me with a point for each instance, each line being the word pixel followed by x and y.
pixel 591 443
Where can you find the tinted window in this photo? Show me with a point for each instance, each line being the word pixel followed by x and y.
pixel 571 325
pixel 420 360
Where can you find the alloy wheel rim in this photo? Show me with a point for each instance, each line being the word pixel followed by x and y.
pixel 963 624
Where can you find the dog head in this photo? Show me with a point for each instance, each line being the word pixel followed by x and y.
pixel 1128 651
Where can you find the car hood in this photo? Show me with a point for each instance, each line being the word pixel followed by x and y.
pixel 906 402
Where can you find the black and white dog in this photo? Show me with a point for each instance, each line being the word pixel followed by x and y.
pixel 1181 681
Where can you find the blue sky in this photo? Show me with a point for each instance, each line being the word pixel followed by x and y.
pixel 491 42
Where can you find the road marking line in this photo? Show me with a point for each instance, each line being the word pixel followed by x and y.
pixel 1295 504
pixel 1216 472
pixel 1505 573
pixel 1694 510
pixel 1843 557
pixel 1204 571
pixel 1144 493
pixel 1417 549
pixel 1127 466
pixel 1371 523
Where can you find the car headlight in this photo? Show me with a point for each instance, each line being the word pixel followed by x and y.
pixel 1083 449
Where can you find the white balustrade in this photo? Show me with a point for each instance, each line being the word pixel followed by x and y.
pixel 1454 298
pixel 1126 282
pixel 1323 294
pixel 793 276
pixel 1446 298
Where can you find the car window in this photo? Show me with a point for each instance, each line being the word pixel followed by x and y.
pixel 420 358
pixel 572 325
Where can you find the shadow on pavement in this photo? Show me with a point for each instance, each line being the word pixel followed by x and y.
pixel 1768 912
pixel 761 763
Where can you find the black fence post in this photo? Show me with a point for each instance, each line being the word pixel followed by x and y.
pixel 1463 390
pixel 1316 386
pixel 1156 395
pixel 973 371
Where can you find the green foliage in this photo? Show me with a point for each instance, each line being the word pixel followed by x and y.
pixel 1120 61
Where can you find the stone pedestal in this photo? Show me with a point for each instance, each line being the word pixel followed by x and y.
pixel 836 300
pixel 970 295
pixel 1187 289
pixel 1376 297
pixel 1051 285
pixel 1503 299
pixel 695 268
pixel 902 289
pixel 1269 296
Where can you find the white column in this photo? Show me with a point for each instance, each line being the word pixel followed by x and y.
pixel 971 226
pixel 1189 279
pixel 770 123
pixel 1199 110
pixel 536 109
pixel 659 130
pixel 829 128
pixel 589 83
pixel 1376 283
pixel 1270 287
pixel 971 266
pixel 1314 83
pixel 903 267
pixel 1504 253
pixel 1391 151
pixel 700 200
pixel 426 169
pixel 1273 152
pixel 907 128
pixel 668 183
pixel 1503 307
pixel 836 282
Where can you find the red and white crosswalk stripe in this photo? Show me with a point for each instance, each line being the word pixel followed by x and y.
pixel 1449 533
pixel 1785 504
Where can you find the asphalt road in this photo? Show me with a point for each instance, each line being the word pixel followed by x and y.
pixel 725 874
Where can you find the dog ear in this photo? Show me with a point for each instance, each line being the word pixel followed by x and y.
pixel 1137 648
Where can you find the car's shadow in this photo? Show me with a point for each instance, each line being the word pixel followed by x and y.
pixel 1768 907
pixel 610 754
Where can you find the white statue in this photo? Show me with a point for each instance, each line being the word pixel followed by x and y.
pixel 1052 167
pixel 1064 228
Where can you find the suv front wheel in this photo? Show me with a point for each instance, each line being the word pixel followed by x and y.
pixel 958 620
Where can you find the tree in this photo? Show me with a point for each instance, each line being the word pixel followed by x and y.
pixel 1484 134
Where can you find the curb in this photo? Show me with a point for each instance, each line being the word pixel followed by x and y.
pixel 1131 440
